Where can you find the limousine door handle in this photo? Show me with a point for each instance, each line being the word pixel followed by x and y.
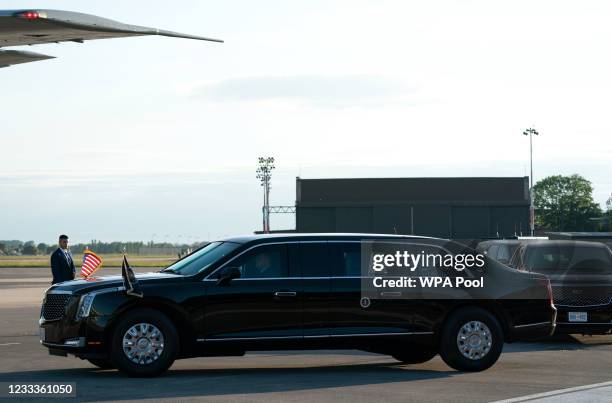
pixel 282 294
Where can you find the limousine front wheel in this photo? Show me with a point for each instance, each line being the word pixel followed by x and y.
pixel 144 343
pixel 471 340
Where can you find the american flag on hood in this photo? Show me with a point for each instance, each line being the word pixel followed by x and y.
pixel 91 263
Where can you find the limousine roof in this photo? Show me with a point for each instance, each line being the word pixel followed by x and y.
pixel 317 236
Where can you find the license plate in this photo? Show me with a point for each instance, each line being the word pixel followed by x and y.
pixel 41 332
pixel 577 316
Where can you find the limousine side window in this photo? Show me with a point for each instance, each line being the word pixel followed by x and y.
pixel 263 262
pixel 314 259
pixel 346 259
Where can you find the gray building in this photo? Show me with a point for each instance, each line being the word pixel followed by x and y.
pixel 459 208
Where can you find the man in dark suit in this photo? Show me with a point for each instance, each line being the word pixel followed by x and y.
pixel 62 265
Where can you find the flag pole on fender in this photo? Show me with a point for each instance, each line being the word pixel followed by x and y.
pixel 131 284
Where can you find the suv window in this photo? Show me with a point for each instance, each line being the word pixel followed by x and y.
pixel 263 262
pixel 345 259
pixel 517 258
pixel 314 259
pixel 504 253
pixel 492 252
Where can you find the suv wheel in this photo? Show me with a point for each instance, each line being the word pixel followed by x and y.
pixel 415 356
pixel 144 343
pixel 471 340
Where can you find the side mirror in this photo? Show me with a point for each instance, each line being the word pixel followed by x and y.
pixel 227 274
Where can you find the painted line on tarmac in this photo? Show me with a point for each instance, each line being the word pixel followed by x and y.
pixel 556 393
pixel 9 344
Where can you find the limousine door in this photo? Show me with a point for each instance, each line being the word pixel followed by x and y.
pixel 311 260
pixel 263 303
pixel 349 314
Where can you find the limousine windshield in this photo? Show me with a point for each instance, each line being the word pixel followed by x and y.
pixel 202 258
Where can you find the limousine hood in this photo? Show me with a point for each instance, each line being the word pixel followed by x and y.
pixel 95 283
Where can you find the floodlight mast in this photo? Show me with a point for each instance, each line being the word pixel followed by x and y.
pixel 530 132
pixel 264 174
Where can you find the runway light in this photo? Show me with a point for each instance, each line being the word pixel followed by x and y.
pixel 29 15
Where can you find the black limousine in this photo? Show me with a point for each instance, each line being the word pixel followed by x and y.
pixel 283 292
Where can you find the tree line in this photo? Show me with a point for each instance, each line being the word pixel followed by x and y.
pixel 31 248
pixel 565 203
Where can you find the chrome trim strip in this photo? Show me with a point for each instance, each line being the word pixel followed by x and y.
pixel 533 324
pixel 58 292
pixel 315 336
pixel 291 278
pixel 81 344
pixel 264 278
pixel 577 307
pixel 584 323
pixel 106 290
pixel 585 306
pixel 381 334
pixel 250 338
pixel 44 343
pixel 285 294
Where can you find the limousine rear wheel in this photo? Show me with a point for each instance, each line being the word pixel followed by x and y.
pixel 144 343
pixel 471 340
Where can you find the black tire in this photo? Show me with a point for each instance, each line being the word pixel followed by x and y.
pixel 169 350
pixel 101 363
pixel 418 355
pixel 450 345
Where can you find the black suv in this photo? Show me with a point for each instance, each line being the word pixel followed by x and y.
pixel 581 277
pixel 281 292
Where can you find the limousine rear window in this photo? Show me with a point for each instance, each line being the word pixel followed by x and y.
pixel 569 259
pixel 202 259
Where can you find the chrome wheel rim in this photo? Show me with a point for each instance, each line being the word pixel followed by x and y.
pixel 474 340
pixel 143 343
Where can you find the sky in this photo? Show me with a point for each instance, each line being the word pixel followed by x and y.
pixel 157 138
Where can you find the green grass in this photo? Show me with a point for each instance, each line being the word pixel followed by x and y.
pixel 108 260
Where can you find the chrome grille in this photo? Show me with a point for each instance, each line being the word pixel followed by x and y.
pixel 564 297
pixel 55 306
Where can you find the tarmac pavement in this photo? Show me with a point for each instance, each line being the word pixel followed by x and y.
pixel 562 368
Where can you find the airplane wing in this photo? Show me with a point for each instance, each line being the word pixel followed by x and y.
pixel 33 27
pixel 10 57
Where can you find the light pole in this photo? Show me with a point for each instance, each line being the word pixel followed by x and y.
pixel 531 132
pixel 264 174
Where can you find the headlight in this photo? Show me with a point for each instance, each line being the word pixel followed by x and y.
pixel 84 306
